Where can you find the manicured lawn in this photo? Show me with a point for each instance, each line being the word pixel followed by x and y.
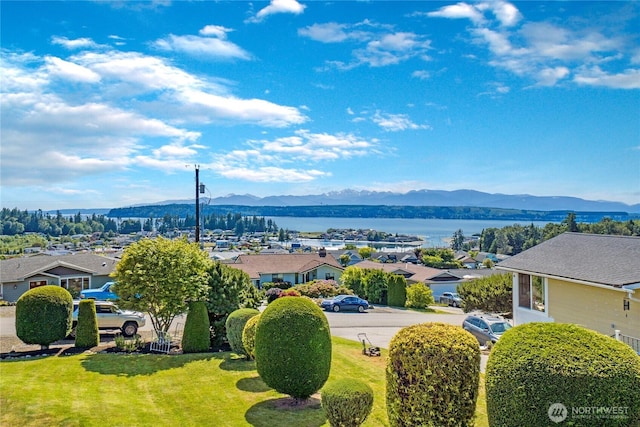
pixel 186 390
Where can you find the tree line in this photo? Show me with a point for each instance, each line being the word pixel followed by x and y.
pixel 16 222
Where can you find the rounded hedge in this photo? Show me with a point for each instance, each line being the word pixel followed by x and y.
pixel 249 336
pixel 87 333
pixel 235 325
pixel 44 315
pixel 195 338
pixel 347 402
pixel 538 371
pixel 433 371
pixel 293 347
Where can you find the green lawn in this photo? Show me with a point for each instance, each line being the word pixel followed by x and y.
pixel 187 390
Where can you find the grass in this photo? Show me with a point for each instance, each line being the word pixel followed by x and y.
pixel 185 390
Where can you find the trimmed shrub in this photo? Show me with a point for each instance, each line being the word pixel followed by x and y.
pixel 280 285
pixel 196 338
pixel 272 294
pixel 347 402
pixel 289 293
pixel 536 365
pixel 492 294
pixel 44 315
pixel 235 325
pixel 293 347
pixel 397 290
pixel 249 336
pixel 87 333
pixel 419 295
pixel 433 371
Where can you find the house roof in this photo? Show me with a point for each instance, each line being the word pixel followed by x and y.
pixel 20 269
pixel 593 258
pixel 415 273
pixel 255 265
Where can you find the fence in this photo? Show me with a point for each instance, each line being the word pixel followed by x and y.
pixel 629 340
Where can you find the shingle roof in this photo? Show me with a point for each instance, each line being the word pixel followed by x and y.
pixel 594 258
pixel 255 265
pixel 18 269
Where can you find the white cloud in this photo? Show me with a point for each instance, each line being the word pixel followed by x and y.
pixel 396 122
pixel 81 43
pixel 550 76
pixel 278 6
pixel 215 30
pixel 459 11
pixel 209 47
pixel 628 79
pixel 507 14
pixel 421 74
pixel 331 32
pixel 69 71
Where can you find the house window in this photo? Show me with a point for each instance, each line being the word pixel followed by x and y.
pixel 329 276
pixel 531 292
pixel 75 284
pixel 37 283
pixel 279 277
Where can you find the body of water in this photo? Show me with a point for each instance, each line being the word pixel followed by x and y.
pixel 434 232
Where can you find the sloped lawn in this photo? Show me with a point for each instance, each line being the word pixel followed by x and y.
pixel 207 389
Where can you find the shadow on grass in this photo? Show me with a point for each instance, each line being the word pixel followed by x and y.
pixel 234 362
pixel 253 384
pixel 286 412
pixel 130 365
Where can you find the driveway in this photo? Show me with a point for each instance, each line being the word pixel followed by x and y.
pixel 382 323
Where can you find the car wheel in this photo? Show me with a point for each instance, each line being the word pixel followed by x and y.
pixel 336 308
pixel 129 329
pixel 361 309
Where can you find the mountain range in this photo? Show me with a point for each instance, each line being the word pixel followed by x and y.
pixel 469 198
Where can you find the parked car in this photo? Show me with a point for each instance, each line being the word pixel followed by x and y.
pixel 451 298
pixel 110 317
pixel 102 293
pixel 486 327
pixel 345 302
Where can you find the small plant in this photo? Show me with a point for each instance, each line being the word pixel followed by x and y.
pixel 196 335
pixel 129 345
pixel 289 293
pixel 272 294
pixel 249 336
pixel 347 402
pixel 419 296
pixel 87 333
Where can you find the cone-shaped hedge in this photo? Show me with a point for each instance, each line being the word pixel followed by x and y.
pixel 249 336
pixel 235 325
pixel 543 372
pixel 87 333
pixel 347 402
pixel 44 315
pixel 293 347
pixel 433 372
pixel 195 338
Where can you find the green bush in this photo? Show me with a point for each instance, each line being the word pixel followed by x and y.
pixel 44 315
pixel 419 295
pixel 249 336
pixel 87 333
pixel 432 374
pixel 492 294
pixel 196 335
pixel 347 402
pixel 293 347
pixel 235 325
pixel 397 290
pixel 536 365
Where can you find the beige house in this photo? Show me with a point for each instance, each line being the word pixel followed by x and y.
pixel 73 272
pixel 591 280
pixel 294 268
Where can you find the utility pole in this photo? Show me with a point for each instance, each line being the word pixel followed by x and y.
pixel 197 203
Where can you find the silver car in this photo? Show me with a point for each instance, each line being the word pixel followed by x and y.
pixel 110 317
pixel 486 328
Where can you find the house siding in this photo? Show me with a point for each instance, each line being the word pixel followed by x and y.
pixel 593 307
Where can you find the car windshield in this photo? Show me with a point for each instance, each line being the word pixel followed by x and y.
pixel 500 328
pixel 340 297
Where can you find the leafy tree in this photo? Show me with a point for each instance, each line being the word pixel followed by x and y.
pixel 375 286
pixel 440 258
pixel 457 240
pixel 229 289
pixel 365 252
pixel 344 259
pixel 161 277
pixel 353 278
pixel 419 295
pixel 493 294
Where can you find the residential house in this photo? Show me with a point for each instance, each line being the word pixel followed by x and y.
pixel 588 279
pixel 295 268
pixel 438 280
pixel 73 272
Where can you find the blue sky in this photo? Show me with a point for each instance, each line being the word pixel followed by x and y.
pixel 109 104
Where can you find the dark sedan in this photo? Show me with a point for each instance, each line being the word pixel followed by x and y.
pixel 345 302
